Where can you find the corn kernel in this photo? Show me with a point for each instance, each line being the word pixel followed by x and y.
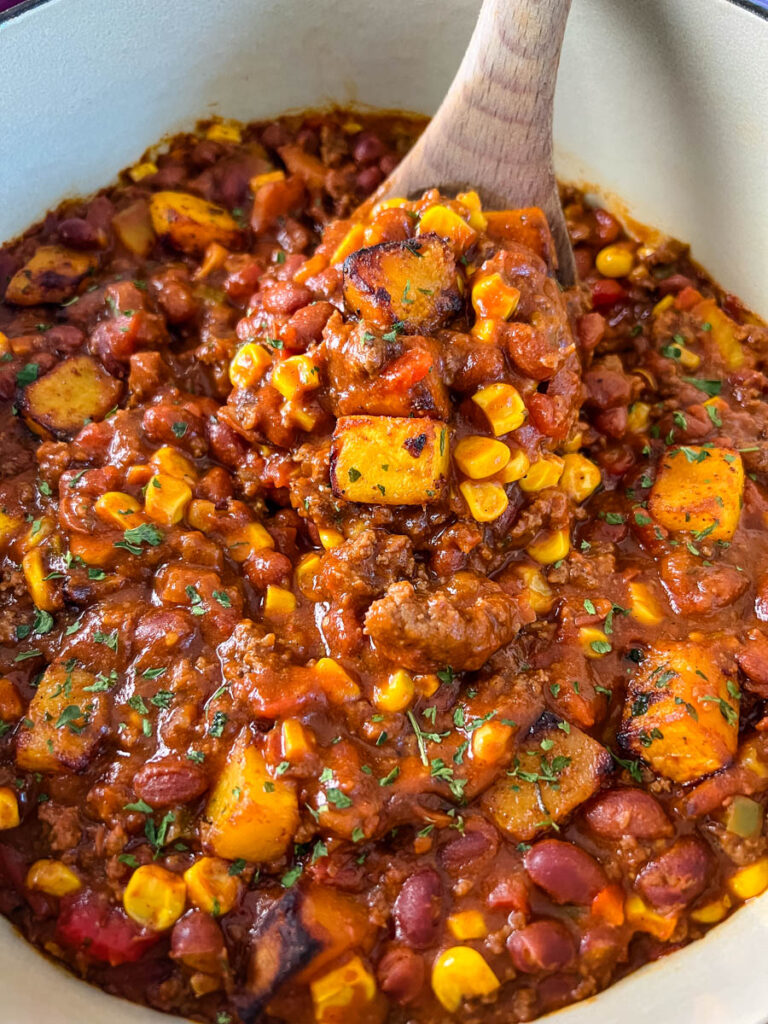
pixel 40 589
pixel 266 179
pixel 486 500
pixel 643 606
pixel 119 510
pixel 645 919
pixel 594 642
pixel 306 573
pixel 448 224
pixel 467 924
pixel 750 881
pixel 142 170
pixel 249 538
pixel 166 499
pixel 9 808
pixel 663 304
pixel 11 706
pixel 712 912
pixel 295 740
pixel 503 406
pixel 489 745
pixel 515 469
pixel 5 346
pixel 688 360
pixel 306 418
pixel 155 898
pixel 295 375
pixel 171 461
pixel 330 538
pixel 351 242
pixel 537 590
pixel 614 261
pixel 572 444
pixel 343 987
pixel 37 533
pixel 210 886
pixel 249 365
pixel 550 547
pixel 224 131
pixel 491 297
pixel 426 684
pixel 396 693
pixel 53 878
pixel 580 477
pixel 278 601
pixel 545 472
pixel 638 417
pixel 213 259
pixel 477 218
pixel 338 685
pixel 484 329
pixel 461 973
pixel 478 457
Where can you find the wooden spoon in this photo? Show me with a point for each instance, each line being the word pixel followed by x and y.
pixel 493 131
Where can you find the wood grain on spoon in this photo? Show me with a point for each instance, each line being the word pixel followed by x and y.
pixel 493 131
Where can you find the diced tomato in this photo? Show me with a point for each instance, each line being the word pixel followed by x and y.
pixel 688 298
pixel 606 292
pixel 89 924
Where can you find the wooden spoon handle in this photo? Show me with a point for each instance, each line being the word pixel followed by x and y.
pixel 493 131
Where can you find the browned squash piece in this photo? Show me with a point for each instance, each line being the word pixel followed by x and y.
pixel 65 722
pixel 51 275
pixel 526 226
pixel 680 714
pixel 61 401
pixel 554 772
pixel 389 460
pixel 412 283
pixel 699 490
pixel 190 223
pixel 133 226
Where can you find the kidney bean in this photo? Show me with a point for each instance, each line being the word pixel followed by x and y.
pixel 158 423
pixel 66 338
pixel 753 661
pixel 612 422
pixel 674 283
pixel 556 991
pixel 275 135
pixel 285 297
pixel 565 872
pixel 79 234
pixel 607 385
pixel 168 782
pixel 628 812
pixel 607 292
pixel 265 567
pixel 197 941
pixel 388 163
pixel 479 843
pixel 369 178
pixel 215 485
pixel 673 880
pixel 418 908
pixel 368 149
pixel 590 330
pixel 401 975
pixel 584 258
pixel 600 944
pixel 306 325
pixel 606 228
pixel 163 627
pixel 226 444
pixel 544 945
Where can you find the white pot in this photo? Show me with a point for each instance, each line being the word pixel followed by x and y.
pixel 662 104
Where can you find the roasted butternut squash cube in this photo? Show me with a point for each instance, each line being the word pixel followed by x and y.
pixel 699 490
pixel 681 714
pixel 51 275
pixel 65 722
pixel 249 814
pixel 411 283
pixel 389 460
pixel 553 773
pixel 725 333
pixel 77 390
pixel 190 223
pixel 133 226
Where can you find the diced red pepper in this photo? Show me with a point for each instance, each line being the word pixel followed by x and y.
pixel 91 925
pixel 688 298
pixel 409 369
pixel 607 292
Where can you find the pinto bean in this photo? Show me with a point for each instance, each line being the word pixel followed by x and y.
pixel 418 908
pixel 168 782
pixel 544 945
pixel 565 872
pixel 197 941
pixel 401 975
pixel 673 880
pixel 628 812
